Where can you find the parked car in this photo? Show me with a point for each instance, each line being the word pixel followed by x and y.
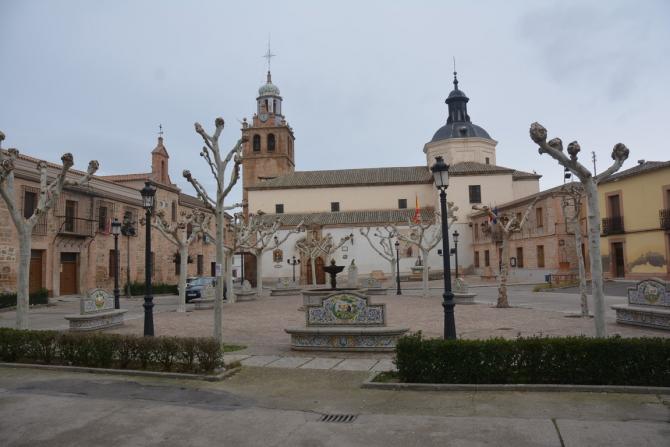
pixel 202 287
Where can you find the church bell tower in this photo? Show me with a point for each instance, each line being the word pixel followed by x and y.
pixel 268 150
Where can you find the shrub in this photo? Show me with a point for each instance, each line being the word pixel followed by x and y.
pixel 39 297
pixel 542 360
pixel 138 288
pixel 193 355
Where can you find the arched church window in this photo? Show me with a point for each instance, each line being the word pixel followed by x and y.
pixel 257 143
pixel 271 142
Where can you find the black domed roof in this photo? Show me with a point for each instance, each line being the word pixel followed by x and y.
pixel 459 129
pixel 458 123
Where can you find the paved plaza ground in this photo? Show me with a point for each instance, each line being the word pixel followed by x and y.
pixel 282 402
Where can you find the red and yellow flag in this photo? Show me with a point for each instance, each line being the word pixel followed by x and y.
pixel 417 211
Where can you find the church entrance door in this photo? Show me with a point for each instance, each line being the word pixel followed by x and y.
pixel 320 273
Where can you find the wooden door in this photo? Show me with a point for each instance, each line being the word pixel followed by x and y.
pixel 68 273
pixel 320 273
pixel 250 269
pixel 35 279
pixel 618 260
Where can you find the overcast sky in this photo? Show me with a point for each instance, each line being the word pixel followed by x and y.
pixel 363 83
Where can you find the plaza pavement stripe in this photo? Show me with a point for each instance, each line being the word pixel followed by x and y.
pixel 356 365
pixel 321 363
pixel 259 360
pixel 384 365
pixel 288 362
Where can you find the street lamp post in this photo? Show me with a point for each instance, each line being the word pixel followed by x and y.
pixel 454 236
pixel 397 268
pixel 440 172
pixel 116 230
pixel 293 262
pixel 148 195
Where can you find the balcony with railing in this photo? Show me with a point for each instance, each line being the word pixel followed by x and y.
pixel 664 217
pixel 74 226
pixel 612 225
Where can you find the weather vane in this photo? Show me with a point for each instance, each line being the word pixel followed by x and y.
pixel 160 130
pixel 269 54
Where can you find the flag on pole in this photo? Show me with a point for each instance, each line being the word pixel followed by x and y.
pixel 417 211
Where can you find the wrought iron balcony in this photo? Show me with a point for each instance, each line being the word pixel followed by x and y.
pixel 612 225
pixel 664 217
pixel 75 226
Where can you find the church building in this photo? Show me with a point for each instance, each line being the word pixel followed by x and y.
pixel 343 201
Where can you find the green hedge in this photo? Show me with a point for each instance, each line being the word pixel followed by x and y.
pixel 541 360
pixel 39 297
pixel 138 288
pixel 188 355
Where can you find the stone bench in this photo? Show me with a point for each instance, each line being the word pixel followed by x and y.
pixel 345 321
pixel 96 311
pixel 285 287
pixel 648 305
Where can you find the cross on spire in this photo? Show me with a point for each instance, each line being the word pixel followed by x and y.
pixel 455 78
pixel 269 55
pixel 160 130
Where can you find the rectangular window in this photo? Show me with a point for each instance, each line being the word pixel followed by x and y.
pixel 614 207
pixel 334 206
pixel 540 256
pixel 102 219
pixel 200 264
pixel 29 203
pixel 402 204
pixel 475 193
pixel 519 257
pixel 518 217
pixel 70 213
pixel 174 211
pixel 487 258
pixel 539 219
pixel 488 161
pixel 112 263
pixel 476 259
pixel 279 208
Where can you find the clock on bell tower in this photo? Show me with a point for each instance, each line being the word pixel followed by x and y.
pixel 268 150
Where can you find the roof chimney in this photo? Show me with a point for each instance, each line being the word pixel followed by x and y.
pixel 641 162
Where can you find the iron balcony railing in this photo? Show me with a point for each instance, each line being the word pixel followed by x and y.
pixel 664 217
pixel 612 225
pixel 75 226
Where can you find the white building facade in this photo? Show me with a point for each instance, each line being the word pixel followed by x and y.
pixel 341 202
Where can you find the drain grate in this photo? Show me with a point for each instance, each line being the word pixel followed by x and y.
pixel 339 418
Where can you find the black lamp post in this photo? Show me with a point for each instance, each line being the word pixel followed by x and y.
pixel 116 230
pixel 440 172
pixel 293 262
pixel 454 236
pixel 148 196
pixel 397 268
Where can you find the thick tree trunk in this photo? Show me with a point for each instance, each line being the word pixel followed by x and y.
pixel 582 269
pixel 424 273
pixel 220 260
pixel 504 270
pixel 183 265
pixel 312 263
pixel 230 292
pixel 259 273
pixel 22 287
pixel 593 216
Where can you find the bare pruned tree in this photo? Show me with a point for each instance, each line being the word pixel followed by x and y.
pixel 178 234
pixel 310 246
pixel 572 195
pixel 50 190
pixel 381 241
pixel 218 165
pixel 425 234
pixel 590 182
pixel 506 226
pixel 258 237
